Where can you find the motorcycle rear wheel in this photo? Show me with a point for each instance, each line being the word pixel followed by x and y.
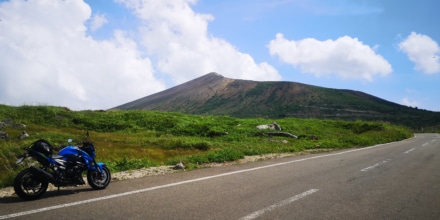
pixel 99 180
pixel 29 187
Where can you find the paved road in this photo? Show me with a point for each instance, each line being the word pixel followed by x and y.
pixel 399 180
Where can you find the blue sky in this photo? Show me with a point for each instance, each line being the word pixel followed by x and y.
pixel 97 54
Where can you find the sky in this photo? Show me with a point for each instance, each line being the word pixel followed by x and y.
pixel 99 54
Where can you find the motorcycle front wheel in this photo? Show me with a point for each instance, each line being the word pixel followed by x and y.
pixel 99 180
pixel 29 187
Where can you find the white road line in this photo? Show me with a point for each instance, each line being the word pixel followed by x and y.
pixel 279 204
pixel 409 150
pixel 424 144
pixel 375 165
pixel 178 183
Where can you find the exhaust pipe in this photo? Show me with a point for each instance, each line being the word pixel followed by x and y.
pixel 42 174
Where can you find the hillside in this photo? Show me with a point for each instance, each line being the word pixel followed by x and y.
pixel 213 94
pixel 136 138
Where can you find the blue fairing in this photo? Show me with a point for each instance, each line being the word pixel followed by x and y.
pixel 69 150
pixel 75 151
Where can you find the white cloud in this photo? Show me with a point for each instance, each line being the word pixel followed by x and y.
pixel 178 39
pixel 423 51
pixel 98 21
pixel 346 57
pixel 410 103
pixel 47 58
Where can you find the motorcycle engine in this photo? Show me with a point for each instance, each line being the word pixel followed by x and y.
pixel 68 173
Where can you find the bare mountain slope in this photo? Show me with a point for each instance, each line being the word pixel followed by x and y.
pixel 213 94
pixel 193 93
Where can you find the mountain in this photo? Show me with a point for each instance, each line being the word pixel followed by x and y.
pixel 213 94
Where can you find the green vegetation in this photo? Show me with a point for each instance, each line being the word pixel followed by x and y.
pixel 133 139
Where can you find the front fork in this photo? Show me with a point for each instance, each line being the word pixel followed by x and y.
pixel 98 166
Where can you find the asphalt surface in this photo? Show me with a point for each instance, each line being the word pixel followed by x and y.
pixel 399 180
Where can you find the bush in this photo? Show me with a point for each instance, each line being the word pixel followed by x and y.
pixel 129 164
pixel 223 155
pixel 359 127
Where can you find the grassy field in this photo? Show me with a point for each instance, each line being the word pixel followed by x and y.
pixel 133 139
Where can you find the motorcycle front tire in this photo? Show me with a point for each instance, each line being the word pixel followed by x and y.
pixel 29 187
pixel 97 180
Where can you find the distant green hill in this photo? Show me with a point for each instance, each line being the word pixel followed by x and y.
pixel 213 94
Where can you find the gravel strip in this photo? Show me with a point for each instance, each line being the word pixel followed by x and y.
pixel 161 170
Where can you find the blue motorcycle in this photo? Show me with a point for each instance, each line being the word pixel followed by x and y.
pixel 64 169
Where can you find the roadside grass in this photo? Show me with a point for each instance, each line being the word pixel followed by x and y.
pixel 134 139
